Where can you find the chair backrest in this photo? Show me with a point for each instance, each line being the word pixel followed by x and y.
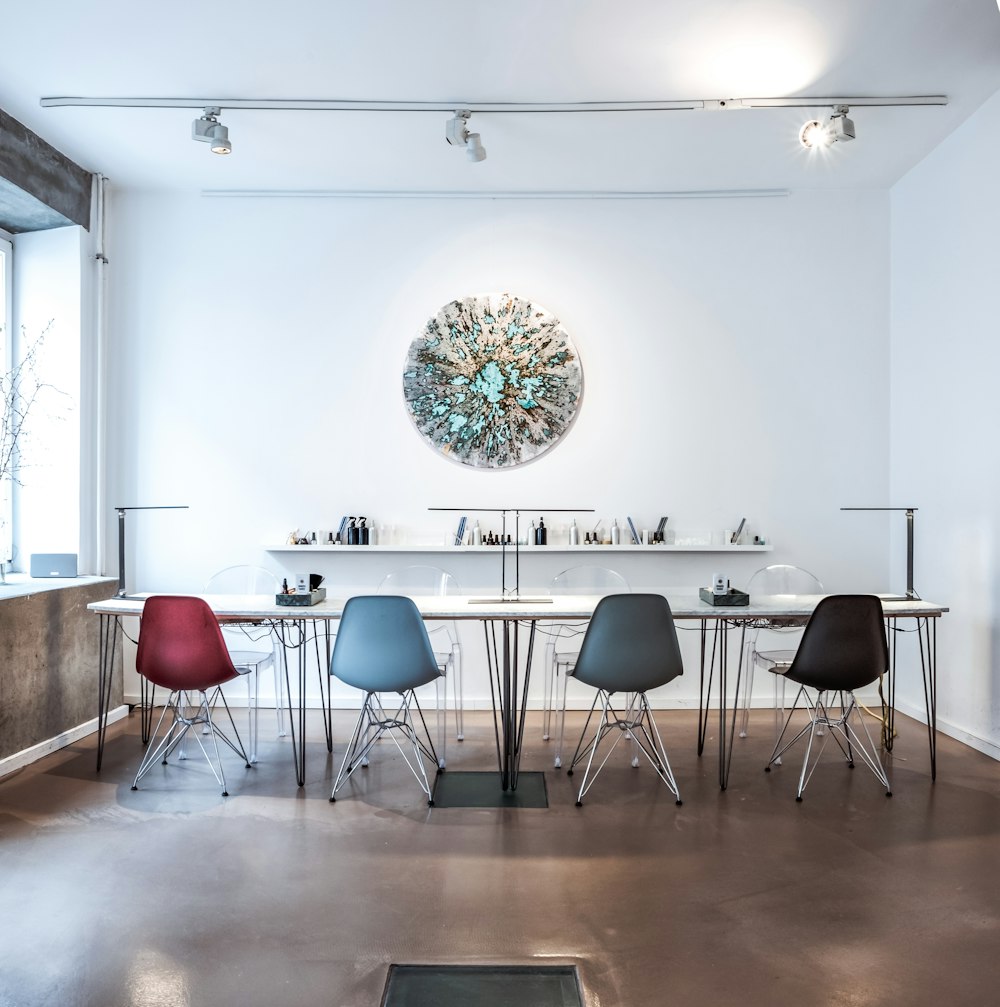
pixel 242 580
pixel 382 645
pixel 588 580
pixel 181 645
pixel 783 579
pixel 843 645
pixel 630 644
pixel 419 582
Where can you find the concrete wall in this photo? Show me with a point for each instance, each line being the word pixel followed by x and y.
pixel 48 663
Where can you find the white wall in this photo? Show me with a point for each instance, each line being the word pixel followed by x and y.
pixel 735 357
pixel 946 410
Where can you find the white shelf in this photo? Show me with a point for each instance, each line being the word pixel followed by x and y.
pixel 525 550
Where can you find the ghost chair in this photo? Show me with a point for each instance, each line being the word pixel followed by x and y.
pixel 427 582
pixel 382 647
pixel 564 641
pixel 630 647
pixel 843 649
pixel 253 647
pixel 181 649
pixel 771 643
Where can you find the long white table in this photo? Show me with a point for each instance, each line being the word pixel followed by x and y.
pixel 510 675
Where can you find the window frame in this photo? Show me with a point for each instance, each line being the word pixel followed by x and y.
pixel 6 362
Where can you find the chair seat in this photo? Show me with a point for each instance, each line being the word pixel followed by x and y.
pixel 246 661
pixel 776 661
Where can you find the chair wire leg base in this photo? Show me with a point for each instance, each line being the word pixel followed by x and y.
pixel 637 725
pixel 185 715
pixel 831 720
pixel 374 723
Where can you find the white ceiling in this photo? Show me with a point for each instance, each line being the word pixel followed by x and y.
pixel 464 51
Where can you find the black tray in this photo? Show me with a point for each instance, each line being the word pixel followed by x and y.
pixel 732 599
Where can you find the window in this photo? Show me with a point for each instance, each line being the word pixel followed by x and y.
pixel 6 342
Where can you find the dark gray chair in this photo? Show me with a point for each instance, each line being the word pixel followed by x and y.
pixel 843 649
pixel 630 647
pixel 382 647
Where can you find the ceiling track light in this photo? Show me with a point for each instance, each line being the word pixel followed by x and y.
pixel 816 135
pixel 456 132
pixel 209 130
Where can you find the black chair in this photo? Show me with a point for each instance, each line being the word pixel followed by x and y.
pixel 843 649
pixel 382 647
pixel 630 647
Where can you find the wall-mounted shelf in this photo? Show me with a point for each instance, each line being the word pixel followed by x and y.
pixel 525 550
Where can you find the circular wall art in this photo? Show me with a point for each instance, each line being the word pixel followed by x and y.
pixel 492 381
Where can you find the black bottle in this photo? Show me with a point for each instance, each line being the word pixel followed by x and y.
pixel 541 533
pixel 353 536
pixel 363 534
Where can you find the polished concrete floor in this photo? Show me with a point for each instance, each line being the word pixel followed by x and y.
pixel 175 895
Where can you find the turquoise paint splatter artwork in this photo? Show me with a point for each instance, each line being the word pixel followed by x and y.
pixel 492 381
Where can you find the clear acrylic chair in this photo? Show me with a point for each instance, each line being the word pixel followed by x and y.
pixel 771 644
pixel 564 641
pixel 430 582
pixel 252 646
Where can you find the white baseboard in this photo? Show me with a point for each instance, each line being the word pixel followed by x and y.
pixel 29 755
pixel 966 737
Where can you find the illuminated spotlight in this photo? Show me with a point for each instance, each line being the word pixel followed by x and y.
pixel 819 135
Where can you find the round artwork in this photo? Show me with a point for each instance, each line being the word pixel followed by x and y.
pixel 492 381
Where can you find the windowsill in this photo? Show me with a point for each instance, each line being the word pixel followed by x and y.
pixel 21 585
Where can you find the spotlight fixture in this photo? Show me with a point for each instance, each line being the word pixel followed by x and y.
pixel 457 133
pixel 208 129
pixel 817 135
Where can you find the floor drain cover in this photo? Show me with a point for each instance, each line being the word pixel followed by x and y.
pixel 482 986
pixel 482 790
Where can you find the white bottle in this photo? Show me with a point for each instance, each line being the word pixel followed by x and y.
pixel 477 534
pixel 616 533
pixel 574 533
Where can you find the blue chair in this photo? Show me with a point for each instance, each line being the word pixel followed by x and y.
pixel 630 647
pixel 382 647
pixel 843 648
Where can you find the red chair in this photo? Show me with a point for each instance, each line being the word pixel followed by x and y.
pixel 181 649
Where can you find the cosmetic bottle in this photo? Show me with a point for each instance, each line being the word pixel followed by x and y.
pixel 541 533
pixel 363 533
pixel 353 538
pixel 574 533
pixel 477 534
pixel 616 533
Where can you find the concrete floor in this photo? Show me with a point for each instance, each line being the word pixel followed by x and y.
pixel 174 895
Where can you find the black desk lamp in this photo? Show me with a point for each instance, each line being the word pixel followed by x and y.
pixel 121 540
pixel 516 511
pixel 911 595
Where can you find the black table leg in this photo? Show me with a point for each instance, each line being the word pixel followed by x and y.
pixel 109 632
pixel 508 692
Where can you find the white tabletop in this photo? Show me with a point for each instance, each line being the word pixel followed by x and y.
pixel 556 607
